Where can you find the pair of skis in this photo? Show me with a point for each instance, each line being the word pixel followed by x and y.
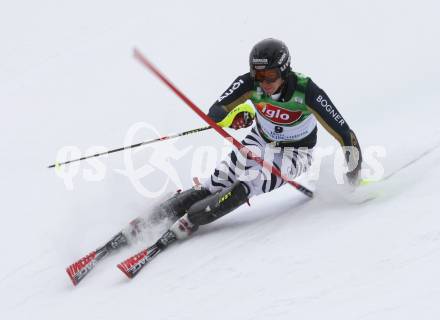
pixel 130 267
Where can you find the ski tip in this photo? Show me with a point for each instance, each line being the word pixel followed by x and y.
pixel 78 270
pixel 124 270
pixel 71 276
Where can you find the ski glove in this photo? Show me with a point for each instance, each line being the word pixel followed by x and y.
pixel 353 176
pixel 242 120
pixel 354 161
pixel 241 116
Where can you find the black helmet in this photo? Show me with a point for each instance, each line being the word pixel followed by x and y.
pixel 270 54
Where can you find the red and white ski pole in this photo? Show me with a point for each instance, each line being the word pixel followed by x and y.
pixel 245 151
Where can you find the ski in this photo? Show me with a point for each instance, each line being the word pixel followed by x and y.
pixel 133 265
pixel 78 270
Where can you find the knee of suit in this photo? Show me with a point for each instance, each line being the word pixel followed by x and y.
pixel 219 204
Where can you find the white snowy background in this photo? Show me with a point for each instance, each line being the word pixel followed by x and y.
pixel 67 78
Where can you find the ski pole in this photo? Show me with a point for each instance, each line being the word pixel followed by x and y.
pixel 245 151
pixel 172 136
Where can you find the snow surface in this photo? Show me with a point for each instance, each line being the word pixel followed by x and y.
pixel 67 78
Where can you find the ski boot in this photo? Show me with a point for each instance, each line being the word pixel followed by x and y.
pixel 210 209
pixel 176 206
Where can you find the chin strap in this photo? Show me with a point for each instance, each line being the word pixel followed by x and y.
pixel 276 96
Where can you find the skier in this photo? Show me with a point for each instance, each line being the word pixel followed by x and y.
pixel 286 106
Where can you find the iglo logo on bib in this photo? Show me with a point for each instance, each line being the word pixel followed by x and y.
pixel 277 114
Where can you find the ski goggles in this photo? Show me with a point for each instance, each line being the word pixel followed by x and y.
pixel 268 75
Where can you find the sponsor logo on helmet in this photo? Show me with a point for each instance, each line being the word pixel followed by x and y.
pixel 277 114
pixel 280 61
pixel 286 65
pixel 233 87
pixel 260 61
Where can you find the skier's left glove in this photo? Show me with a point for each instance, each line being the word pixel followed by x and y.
pixel 354 161
pixel 241 116
pixel 353 176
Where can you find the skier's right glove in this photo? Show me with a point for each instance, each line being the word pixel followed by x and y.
pixel 241 116
pixel 242 120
